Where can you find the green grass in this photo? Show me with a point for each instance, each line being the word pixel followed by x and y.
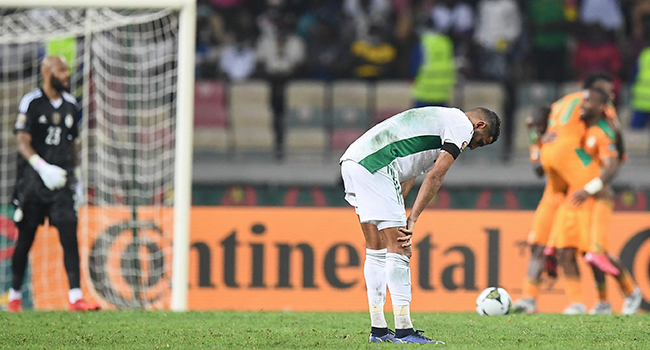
pixel 287 330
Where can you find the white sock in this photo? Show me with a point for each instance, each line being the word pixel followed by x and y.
pixel 374 271
pixel 15 294
pixel 399 285
pixel 74 294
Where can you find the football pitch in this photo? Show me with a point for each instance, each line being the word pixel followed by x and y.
pixel 292 330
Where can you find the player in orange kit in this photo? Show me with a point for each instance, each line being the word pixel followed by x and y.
pixel 564 124
pixel 600 143
pixel 573 223
pixel 543 218
pixel 569 169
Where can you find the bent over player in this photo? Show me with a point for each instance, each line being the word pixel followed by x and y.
pixel 46 130
pixel 378 170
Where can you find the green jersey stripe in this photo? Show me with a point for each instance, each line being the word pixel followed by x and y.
pixel 584 156
pixel 611 134
pixel 401 148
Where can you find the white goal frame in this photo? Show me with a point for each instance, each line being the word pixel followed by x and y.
pixel 184 123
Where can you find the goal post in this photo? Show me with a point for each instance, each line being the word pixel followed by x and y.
pixel 183 165
pixel 151 101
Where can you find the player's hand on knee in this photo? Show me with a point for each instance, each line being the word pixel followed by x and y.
pixel 53 176
pixel 407 232
pixel 405 240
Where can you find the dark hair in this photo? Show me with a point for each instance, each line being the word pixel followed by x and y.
pixel 493 121
pixel 592 78
pixel 604 98
pixel 541 112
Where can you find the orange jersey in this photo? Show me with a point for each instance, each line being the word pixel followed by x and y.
pixel 564 118
pixel 600 141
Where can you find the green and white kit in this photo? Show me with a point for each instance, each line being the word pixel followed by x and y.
pixel 395 150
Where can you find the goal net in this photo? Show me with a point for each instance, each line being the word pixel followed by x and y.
pixel 124 72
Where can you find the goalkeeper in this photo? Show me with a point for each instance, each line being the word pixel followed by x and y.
pixel 46 134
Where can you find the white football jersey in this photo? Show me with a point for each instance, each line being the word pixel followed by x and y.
pixel 413 139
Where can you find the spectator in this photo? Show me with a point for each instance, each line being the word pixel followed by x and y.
pixel 597 52
pixel 641 80
pixel 549 27
pixel 239 59
pixel 324 52
pixel 404 36
pixel 432 63
pixel 372 58
pixel 267 21
pixel 456 19
pixel 318 10
pixel 497 33
pixel 400 6
pixel 281 54
pixel 640 9
pixel 606 13
pixel 207 45
pixel 453 17
pixel 361 14
pixel 226 10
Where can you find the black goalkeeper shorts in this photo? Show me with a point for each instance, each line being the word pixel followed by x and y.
pixel 59 211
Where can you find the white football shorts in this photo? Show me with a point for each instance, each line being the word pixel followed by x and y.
pixel 376 197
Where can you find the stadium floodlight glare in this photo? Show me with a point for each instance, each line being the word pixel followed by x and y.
pixel 132 65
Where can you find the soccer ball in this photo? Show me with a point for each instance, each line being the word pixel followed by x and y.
pixel 493 301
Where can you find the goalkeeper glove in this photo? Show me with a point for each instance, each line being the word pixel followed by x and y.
pixel 53 176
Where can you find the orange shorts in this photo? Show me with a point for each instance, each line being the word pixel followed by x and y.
pixel 543 218
pixel 571 226
pixel 567 167
pixel 601 218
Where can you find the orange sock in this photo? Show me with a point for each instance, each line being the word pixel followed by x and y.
pixel 602 291
pixel 626 282
pixel 573 289
pixel 601 218
pixel 531 288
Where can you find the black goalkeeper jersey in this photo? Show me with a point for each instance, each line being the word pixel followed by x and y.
pixel 53 132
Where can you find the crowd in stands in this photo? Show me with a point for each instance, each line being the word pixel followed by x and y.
pixel 505 41
pixel 508 41
pixel 547 40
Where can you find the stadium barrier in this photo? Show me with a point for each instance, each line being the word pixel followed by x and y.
pixel 311 259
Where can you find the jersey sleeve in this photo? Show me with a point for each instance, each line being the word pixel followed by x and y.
pixel 598 144
pixel 24 119
pixel 606 146
pixel 456 138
